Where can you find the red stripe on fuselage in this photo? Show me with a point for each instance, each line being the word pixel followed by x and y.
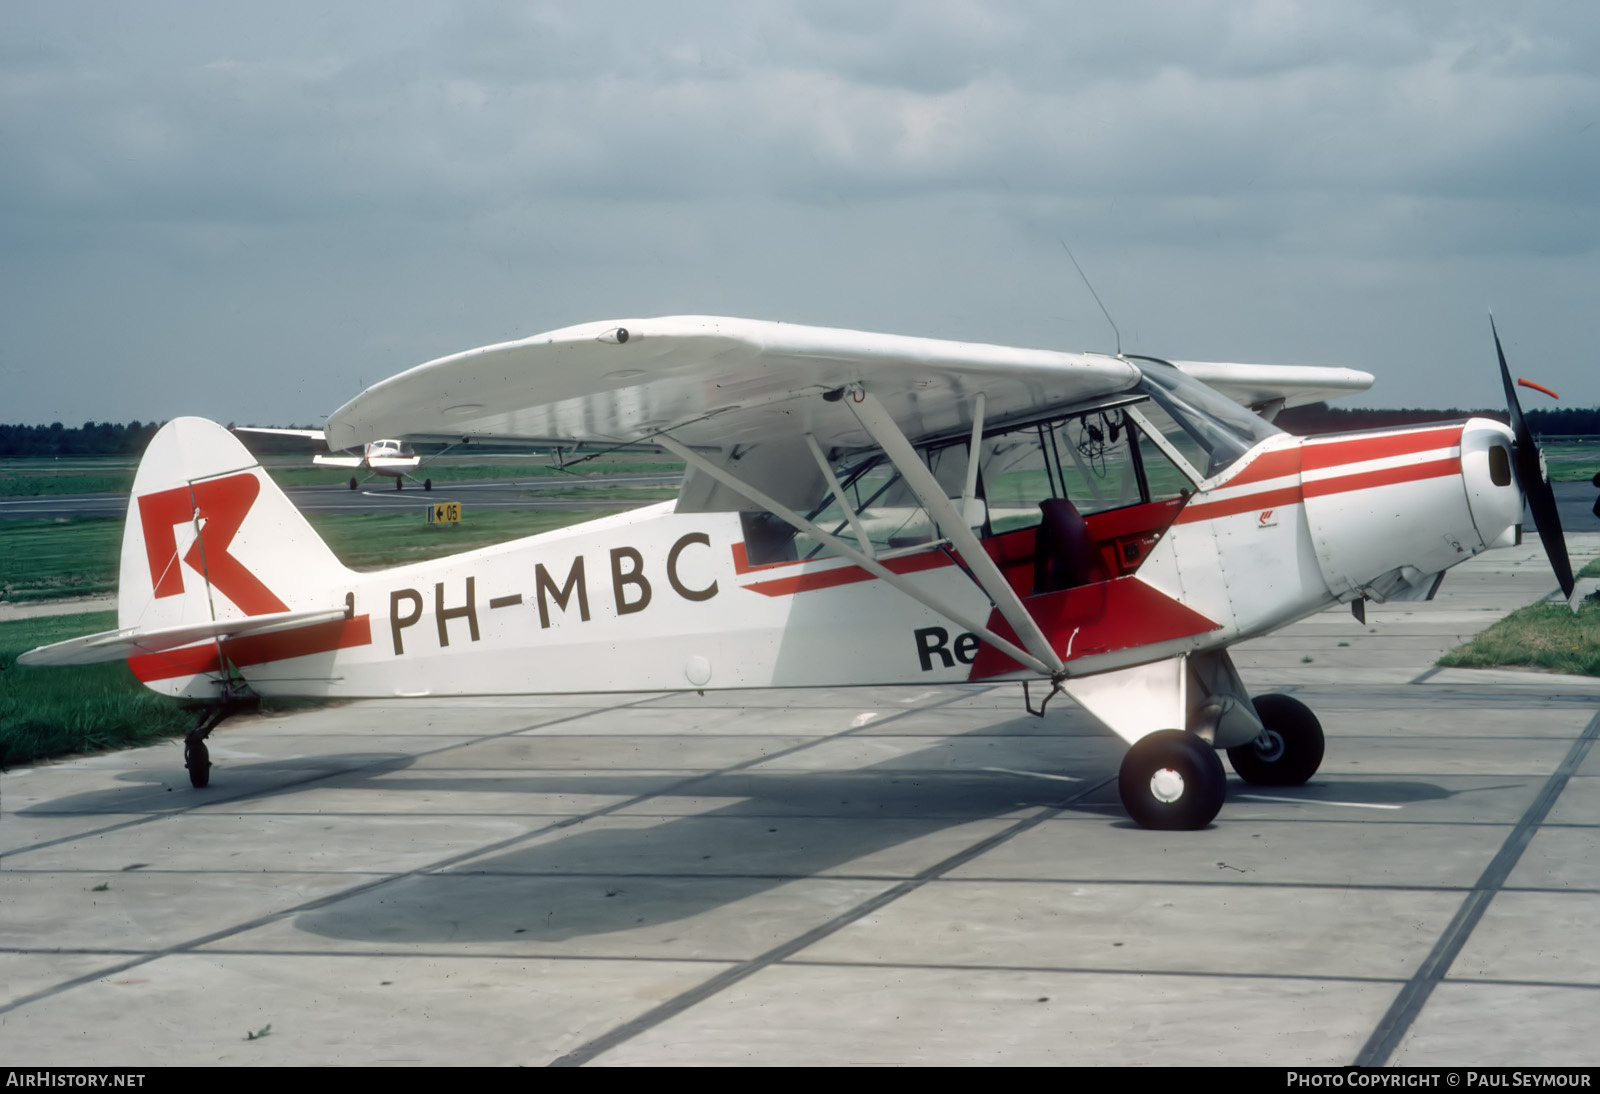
pixel 1269 465
pixel 847 575
pixel 1319 455
pixel 1200 509
pixel 1326 455
pixel 1388 476
pixel 254 649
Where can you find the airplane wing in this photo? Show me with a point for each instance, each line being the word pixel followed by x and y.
pixel 308 434
pixel 717 383
pixel 131 641
pixel 721 383
pixel 1265 385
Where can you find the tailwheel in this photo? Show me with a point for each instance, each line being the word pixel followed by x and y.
pixel 1289 749
pixel 1172 780
pixel 197 758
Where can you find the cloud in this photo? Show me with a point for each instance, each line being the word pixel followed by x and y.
pixel 442 164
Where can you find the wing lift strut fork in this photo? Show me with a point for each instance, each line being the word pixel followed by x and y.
pixel 1038 653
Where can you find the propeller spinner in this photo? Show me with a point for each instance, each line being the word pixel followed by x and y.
pixel 1534 481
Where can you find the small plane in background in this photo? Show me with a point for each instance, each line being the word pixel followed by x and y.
pixel 386 456
pixel 857 509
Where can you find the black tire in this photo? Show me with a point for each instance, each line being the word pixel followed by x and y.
pixel 197 758
pixel 427 484
pixel 399 484
pixel 352 482
pixel 1289 750
pixel 1172 781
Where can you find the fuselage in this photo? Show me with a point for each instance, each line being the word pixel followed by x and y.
pixel 656 600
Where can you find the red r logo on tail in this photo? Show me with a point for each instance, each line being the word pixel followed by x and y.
pixel 218 506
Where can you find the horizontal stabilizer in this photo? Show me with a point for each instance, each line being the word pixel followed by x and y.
pixel 336 461
pixel 132 641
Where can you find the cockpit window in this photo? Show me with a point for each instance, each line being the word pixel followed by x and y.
pixel 1087 458
pixel 1211 430
pixel 1100 459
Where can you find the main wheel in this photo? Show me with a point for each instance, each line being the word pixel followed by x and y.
pixel 197 758
pixel 352 482
pixel 1172 780
pixel 399 484
pixel 427 484
pixel 1289 749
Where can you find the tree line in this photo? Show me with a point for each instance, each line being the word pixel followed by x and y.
pixel 1314 418
pixel 116 439
pixel 110 439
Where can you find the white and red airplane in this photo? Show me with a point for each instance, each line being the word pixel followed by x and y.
pixel 386 456
pixel 858 509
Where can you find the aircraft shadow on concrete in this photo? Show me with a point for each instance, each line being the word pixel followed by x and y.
pixel 649 874
pixel 641 872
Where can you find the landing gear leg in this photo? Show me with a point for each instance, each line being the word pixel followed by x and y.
pixel 196 756
pixel 1172 780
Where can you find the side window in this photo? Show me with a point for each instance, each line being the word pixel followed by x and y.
pixel 1095 461
pixel 1161 474
pixel 1088 460
pixel 1014 479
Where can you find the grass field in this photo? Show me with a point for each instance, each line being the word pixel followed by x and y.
pixel 53 711
pixel 45 559
pixel 1572 461
pixel 1540 636
pixel 377 540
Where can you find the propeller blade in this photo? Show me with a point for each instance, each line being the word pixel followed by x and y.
pixel 1532 479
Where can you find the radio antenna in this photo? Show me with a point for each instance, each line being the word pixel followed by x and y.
pixel 1094 294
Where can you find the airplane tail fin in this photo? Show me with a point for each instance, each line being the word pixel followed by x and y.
pixel 210 538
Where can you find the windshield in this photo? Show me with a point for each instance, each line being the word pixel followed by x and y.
pixel 1194 415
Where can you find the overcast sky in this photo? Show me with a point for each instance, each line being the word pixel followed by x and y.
pixel 251 211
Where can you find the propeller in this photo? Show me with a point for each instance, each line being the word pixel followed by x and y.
pixel 1533 480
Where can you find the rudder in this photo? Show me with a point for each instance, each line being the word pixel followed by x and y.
pixel 209 536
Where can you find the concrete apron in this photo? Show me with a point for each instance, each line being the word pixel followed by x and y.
pixel 829 876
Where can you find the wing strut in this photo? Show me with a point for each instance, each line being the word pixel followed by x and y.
pixel 880 425
pixel 969 492
pixel 838 495
pixel 866 562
